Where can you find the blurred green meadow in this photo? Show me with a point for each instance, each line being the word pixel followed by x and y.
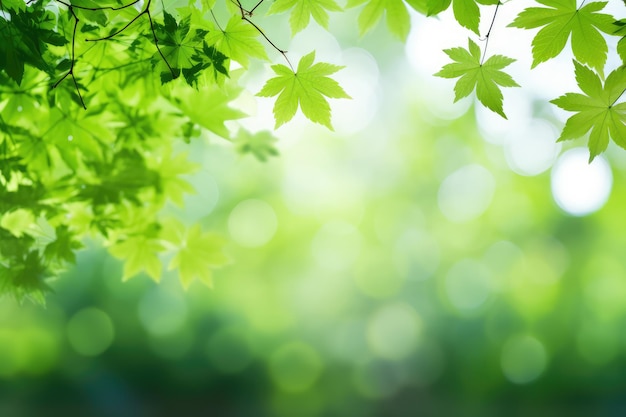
pixel 415 263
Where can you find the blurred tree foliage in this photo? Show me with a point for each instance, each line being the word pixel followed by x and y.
pixel 94 95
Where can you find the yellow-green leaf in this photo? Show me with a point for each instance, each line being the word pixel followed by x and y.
pixel 17 221
pixel 596 110
pixel 484 77
pixel 307 87
pixel 303 10
pixel 139 253
pixel 197 254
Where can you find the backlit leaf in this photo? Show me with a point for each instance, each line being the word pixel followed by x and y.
pixel 596 110
pixel 486 78
pixel 306 88
pixel 560 20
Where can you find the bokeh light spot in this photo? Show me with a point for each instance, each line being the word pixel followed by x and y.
pixel 523 359
pixel 468 284
pixel 374 274
pixel 347 340
pixel 359 79
pixel 497 130
pixel 90 332
pixel 416 255
pixel 466 193
pixel 252 223
pixel 379 379
pixel 534 285
pixel 161 311
pixel 394 330
pixel 336 245
pixel 295 367
pixel 532 149
pixel 578 187
pixel 500 259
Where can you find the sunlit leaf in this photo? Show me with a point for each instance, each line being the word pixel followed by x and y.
pixel 197 255
pixel 303 10
pixel 596 110
pixel 306 88
pixel 484 77
pixel 559 20
pixel 140 253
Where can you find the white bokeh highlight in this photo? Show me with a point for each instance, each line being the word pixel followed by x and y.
pixel 359 79
pixel 252 223
pixel 579 187
pixel 466 193
pixel 468 285
pixel 394 331
pixel 532 149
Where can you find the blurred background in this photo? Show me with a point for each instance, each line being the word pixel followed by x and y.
pixel 425 259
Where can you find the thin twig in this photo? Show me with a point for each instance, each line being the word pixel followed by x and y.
pixel 283 53
pixel 145 11
pixel 133 20
pixel 254 8
pixel 245 15
pixel 156 42
pixel 72 60
pixel 486 39
pixel 94 9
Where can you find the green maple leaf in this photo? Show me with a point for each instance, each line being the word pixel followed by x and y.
pixel 208 107
pixel 96 16
pixel 63 246
pixel 260 144
pixel 303 10
pixel 398 19
pixel 560 19
pixel 596 111
pixel 175 43
pixel 198 252
pixel 169 169
pixel 140 253
pixel 238 41
pixel 216 58
pixel 26 279
pixel 25 35
pixel 466 12
pixel 486 78
pixel 306 87
pixel 421 6
pixel 17 221
pixel 620 30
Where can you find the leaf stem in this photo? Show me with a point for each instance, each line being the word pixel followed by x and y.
pixel 254 8
pixel 245 14
pixel 618 97
pixel 486 38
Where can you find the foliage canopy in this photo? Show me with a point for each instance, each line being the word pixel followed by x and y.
pixel 92 93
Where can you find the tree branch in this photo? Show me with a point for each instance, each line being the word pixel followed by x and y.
pixel 72 60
